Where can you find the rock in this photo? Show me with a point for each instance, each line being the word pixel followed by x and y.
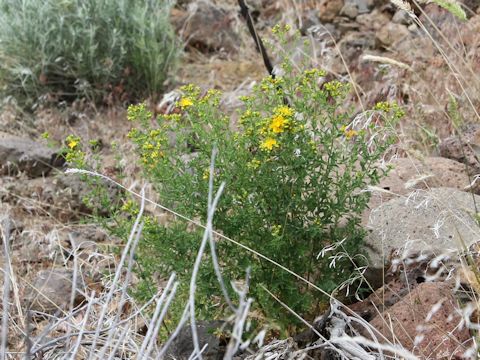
pixel 372 21
pixel 182 347
pixel 391 34
pixel 329 9
pixel 471 5
pixel 349 10
pixel 352 8
pixel 71 191
pixel 62 196
pixel 24 155
pixel 435 17
pixel 354 44
pixel 430 334
pixel 402 17
pixel 51 290
pixel 413 174
pixel 464 149
pixel 433 221
pixel 207 27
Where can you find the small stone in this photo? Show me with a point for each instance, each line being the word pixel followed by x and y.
pixel 402 17
pixel 464 149
pixel 374 20
pixel 182 347
pixel 391 34
pixel 329 9
pixel 349 10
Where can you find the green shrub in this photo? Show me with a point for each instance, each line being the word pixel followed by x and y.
pixel 296 167
pixel 76 48
pixel 294 178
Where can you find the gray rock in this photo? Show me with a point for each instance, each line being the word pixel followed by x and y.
pixel 182 347
pixel 401 17
pixel 434 221
pixel 352 8
pixel 24 155
pixel 414 174
pixel 72 190
pixel 363 6
pixel 51 290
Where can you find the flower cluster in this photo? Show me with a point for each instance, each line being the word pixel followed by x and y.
pixel 389 108
pixel 151 144
pixel 139 113
pixel 73 151
pixel 348 132
pixel 279 122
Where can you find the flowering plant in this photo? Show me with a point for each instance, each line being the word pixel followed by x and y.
pixel 295 169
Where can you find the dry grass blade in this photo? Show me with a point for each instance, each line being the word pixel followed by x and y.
pixel 385 60
pixel 5 231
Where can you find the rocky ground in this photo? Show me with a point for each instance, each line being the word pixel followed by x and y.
pixel 421 217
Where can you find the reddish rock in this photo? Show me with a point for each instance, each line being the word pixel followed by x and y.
pixel 464 149
pixel 425 322
pixel 329 9
pixel 206 27
pixel 391 34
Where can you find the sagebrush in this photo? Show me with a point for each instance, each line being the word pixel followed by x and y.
pixel 67 49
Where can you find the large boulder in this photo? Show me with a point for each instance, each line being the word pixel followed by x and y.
pixel 425 221
pixel 408 174
pixel 24 155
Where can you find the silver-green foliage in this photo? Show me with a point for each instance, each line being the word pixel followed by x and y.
pixel 71 48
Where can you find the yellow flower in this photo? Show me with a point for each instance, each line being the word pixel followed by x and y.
pixel 350 133
pixel 72 144
pixel 276 230
pixel 284 111
pixel 206 174
pixel 278 124
pixel 254 164
pixel 185 102
pixel 268 144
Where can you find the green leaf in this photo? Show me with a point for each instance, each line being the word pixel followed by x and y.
pixel 453 7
